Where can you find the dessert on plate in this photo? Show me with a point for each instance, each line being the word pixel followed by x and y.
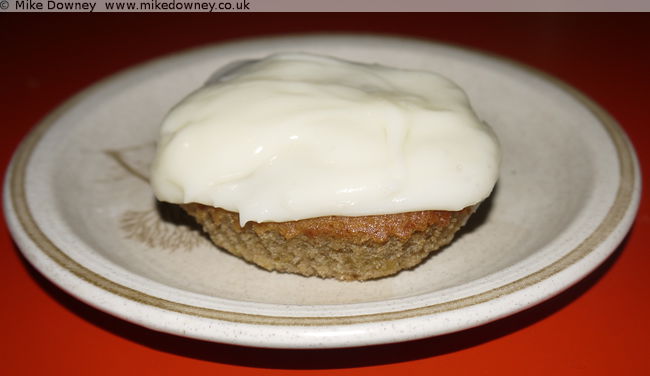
pixel 323 167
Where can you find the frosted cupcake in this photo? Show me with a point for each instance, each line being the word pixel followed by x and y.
pixel 323 167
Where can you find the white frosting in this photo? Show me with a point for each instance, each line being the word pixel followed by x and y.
pixel 297 136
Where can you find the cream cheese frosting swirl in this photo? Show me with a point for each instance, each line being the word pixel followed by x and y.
pixel 297 136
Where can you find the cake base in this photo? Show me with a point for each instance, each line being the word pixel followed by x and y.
pixel 345 248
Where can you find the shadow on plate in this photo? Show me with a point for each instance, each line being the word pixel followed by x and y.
pixel 329 358
pixel 479 217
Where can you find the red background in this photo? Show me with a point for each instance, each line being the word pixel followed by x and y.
pixel 599 326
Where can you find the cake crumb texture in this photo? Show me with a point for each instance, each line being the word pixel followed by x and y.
pixel 345 248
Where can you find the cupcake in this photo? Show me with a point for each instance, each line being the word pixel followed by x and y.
pixel 322 167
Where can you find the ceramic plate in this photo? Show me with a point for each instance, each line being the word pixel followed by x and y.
pixel 80 208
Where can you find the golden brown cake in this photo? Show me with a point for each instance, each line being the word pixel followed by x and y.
pixel 345 248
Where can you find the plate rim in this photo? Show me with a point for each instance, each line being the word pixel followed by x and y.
pixel 619 216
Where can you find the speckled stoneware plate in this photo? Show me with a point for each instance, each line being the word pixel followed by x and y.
pixel 79 206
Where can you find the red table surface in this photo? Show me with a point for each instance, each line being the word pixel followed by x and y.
pixel 599 326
